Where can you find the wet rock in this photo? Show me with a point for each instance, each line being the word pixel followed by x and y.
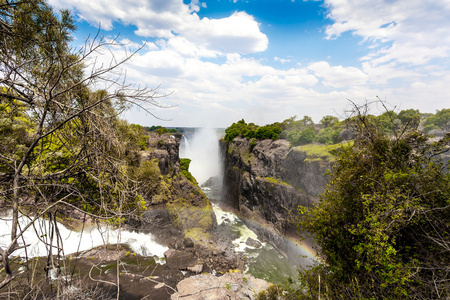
pixel 181 260
pixel 253 243
pixel 169 253
pixel 104 254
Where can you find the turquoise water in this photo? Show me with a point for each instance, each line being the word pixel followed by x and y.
pixel 264 262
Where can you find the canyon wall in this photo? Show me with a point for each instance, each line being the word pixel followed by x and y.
pixel 176 207
pixel 267 180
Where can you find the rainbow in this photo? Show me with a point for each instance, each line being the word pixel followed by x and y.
pixel 306 247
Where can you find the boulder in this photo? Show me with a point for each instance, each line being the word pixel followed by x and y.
pixel 169 253
pixel 196 269
pixel 180 260
pixel 233 286
pixel 188 243
pixel 253 243
pixel 218 251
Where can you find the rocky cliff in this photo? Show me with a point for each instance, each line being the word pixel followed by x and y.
pixel 176 207
pixel 267 180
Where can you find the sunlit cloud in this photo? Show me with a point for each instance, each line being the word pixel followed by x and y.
pixel 219 70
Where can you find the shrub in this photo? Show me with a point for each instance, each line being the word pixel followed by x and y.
pixel 304 137
pixel 184 166
pixel 382 223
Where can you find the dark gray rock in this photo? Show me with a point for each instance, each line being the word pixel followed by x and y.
pixel 188 243
pixel 253 243
pixel 271 180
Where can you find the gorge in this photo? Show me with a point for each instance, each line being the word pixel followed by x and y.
pixel 215 164
pixel 202 237
pixel 219 220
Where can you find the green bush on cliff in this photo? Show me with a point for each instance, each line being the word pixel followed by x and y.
pixel 160 130
pixel 303 137
pixel 328 136
pixel 382 225
pixel 252 131
pixel 184 167
pixel 441 120
pixel 148 176
pixel 298 132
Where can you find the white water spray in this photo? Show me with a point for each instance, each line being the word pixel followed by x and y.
pixel 73 241
pixel 185 148
pixel 203 150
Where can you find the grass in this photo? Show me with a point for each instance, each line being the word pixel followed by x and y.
pixel 317 152
pixel 276 181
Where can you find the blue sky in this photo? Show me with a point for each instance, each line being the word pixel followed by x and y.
pixel 267 60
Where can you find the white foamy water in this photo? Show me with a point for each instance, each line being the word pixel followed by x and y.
pixel 232 220
pixel 38 235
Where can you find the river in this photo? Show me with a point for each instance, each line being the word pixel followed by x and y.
pixel 265 262
pixel 38 238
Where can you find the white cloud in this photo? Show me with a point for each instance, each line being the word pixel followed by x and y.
pixel 282 60
pixel 416 29
pixel 338 76
pixel 204 62
pixel 170 18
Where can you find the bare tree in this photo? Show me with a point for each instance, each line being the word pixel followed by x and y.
pixel 60 139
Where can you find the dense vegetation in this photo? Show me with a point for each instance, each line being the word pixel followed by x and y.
pixel 160 130
pixel 62 144
pixel 331 131
pixel 184 167
pixel 382 224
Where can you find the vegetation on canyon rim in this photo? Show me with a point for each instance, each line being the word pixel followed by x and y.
pixel 382 224
pixel 331 131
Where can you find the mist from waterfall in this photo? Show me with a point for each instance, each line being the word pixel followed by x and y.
pixel 265 262
pixel 202 147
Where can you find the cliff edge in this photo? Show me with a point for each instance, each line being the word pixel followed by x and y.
pixel 176 206
pixel 267 180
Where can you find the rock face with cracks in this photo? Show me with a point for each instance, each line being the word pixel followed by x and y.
pixel 234 286
pixel 267 181
pixel 176 207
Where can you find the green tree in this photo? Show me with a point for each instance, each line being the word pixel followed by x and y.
pixel 410 118
pixel 328 121
pixel 441 120
pixel 251 131
pixel 386 122
pixel 328 136
pixel 306 136
pixel 68 148
pixel 382 225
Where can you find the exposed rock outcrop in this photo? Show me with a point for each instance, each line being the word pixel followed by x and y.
pixel 269 180
pixel 176 207
pixel 229 286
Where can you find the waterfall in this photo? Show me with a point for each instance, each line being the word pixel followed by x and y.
pixel 264 262
pixel 203 150
pixel 185 148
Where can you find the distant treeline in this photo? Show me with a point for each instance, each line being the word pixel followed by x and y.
pixel 331 130
pixel 160 129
